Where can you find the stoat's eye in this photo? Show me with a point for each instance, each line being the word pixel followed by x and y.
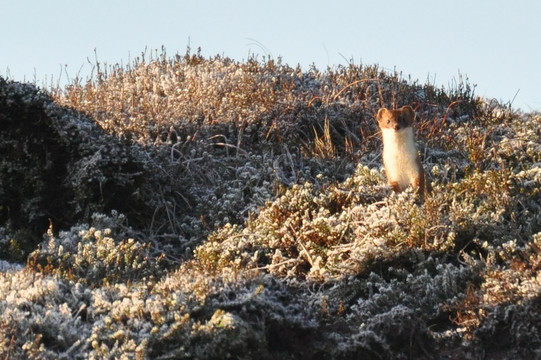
pixel 388 122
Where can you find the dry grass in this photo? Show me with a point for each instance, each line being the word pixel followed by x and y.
pixel 272 233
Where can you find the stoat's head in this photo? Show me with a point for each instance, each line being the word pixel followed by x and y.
pixel 396 119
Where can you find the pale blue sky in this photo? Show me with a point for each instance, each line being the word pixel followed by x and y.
pixel 495 43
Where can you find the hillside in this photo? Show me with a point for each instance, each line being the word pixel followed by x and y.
pixel 203 208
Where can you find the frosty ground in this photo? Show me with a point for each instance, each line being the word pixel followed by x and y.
pixel 200 208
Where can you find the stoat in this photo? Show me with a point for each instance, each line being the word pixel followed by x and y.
pixel 402 165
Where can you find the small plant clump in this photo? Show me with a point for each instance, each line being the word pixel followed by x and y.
pixel 187 207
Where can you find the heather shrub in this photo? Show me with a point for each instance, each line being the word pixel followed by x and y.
pixel 211 208
pixel 93 256
pixel 60 167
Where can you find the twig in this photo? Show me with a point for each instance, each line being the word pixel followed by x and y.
pixel 308 257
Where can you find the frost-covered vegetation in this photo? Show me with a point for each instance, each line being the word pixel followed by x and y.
pixel 192 208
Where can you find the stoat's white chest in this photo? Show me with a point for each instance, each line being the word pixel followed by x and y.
pixel 400 156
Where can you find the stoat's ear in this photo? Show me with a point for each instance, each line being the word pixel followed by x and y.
pixel 408 111
pixel 381 113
